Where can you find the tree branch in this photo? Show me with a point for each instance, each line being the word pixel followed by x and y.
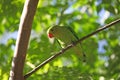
pixel 70 46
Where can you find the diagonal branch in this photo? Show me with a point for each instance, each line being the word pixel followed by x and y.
pixel 70 46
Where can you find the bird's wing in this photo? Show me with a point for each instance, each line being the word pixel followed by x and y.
pixel 73 32
pixel 84 56
pixel 58 43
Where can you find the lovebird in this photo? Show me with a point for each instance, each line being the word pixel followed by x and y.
pixel 65 35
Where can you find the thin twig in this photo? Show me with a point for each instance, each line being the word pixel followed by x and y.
pixel 68 47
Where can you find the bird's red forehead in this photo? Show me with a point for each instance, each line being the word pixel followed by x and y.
pixel 50 35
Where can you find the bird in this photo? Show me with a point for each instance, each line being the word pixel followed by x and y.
pixel 65 35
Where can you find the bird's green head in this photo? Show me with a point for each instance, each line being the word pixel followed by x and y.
pixel 52 31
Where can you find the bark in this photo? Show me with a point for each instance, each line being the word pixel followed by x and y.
pixel 18 61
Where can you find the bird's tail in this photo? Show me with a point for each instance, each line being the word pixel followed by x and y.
pixel 80 53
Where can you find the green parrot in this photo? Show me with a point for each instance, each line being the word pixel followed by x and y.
pixel 65 36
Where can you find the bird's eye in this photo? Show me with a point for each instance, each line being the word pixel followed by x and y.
pixel 51 29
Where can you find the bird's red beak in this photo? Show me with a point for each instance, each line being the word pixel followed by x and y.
pixel 50 35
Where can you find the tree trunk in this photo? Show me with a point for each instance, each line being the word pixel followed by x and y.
pixel 18 61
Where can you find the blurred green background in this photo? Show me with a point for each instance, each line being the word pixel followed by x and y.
pixel 84 16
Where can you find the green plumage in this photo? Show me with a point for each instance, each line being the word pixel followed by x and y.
pixel 65 36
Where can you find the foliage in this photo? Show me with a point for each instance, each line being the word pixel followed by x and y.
pixel 102 49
